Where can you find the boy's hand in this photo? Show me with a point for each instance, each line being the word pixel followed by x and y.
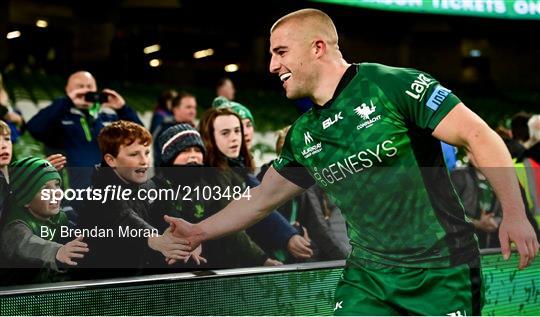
pixel 195 255
pixel 271 262
pixel 57 160
pixel 72 250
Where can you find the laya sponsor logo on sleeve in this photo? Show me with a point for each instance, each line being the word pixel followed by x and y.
pixel 419 87
pixel 437 97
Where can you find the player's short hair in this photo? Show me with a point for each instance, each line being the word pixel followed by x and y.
pixel 316 17
pixel 122 133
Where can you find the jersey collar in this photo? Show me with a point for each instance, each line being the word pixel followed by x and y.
pixel 345 80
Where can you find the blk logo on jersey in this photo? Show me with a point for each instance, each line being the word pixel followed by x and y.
pixel 365 112
pixel 329 121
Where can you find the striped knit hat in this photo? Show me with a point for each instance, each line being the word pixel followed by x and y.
pixel 28 176
pixel 177 138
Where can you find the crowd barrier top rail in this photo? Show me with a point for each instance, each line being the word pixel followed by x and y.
pixel 171 277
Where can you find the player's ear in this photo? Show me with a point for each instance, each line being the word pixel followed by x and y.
pixel 320 48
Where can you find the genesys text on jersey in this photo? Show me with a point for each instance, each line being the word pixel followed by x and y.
pixel 354 163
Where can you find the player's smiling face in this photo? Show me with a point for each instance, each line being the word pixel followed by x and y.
pixel 292 61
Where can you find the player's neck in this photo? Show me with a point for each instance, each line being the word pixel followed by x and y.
pixel 329 82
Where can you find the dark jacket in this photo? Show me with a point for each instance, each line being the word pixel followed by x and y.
pixel 61 125
pixel 4 193
pixel 232 251
pixel 160 116
pixel 323 220
pixel 533 153
pixel 129 253
pixel 466 183
pixel 271 233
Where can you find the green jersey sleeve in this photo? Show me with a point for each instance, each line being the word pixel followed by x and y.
pixel 287 166
pixel 417 96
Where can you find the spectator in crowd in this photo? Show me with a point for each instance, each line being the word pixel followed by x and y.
pixel 72 123
pixel 314 211
pixel 481 203
pixel 31 235
pixel 520 133
pixel 183 154
pixel 248 127
pixel 184 110
pixel 6 149
pixel 222 132
pixel 126 160
pixel 533 144
pixel 225 88
pixel 10 116
pixel 248 121
pixel 528 164
pixel 162 112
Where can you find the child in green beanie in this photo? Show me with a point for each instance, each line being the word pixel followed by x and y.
pixel 31 237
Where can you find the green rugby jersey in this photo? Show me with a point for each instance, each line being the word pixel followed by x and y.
pixel 370 148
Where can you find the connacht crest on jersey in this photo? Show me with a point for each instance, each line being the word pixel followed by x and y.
pixel 364 111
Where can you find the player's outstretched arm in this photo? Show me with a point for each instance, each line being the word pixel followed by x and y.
pixel 273 191
pixel 462 127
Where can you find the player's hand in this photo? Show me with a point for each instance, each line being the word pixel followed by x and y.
pixel 170 246
pixel 271 262
pixel 72 250
pixel 517 229
pixel 299 247
pixel 77 97
pixel 115 101
pixel 57 160
pixel 183 229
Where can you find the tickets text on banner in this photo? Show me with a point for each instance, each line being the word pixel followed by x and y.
pixel 508 9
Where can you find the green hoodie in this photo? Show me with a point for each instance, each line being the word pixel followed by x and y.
pixel 24 246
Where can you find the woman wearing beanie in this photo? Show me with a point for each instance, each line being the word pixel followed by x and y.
pixel 222 132
pixel 182 152
pixel 31 237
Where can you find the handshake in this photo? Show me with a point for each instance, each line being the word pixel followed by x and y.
pixel 176 249
pixel 182 241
